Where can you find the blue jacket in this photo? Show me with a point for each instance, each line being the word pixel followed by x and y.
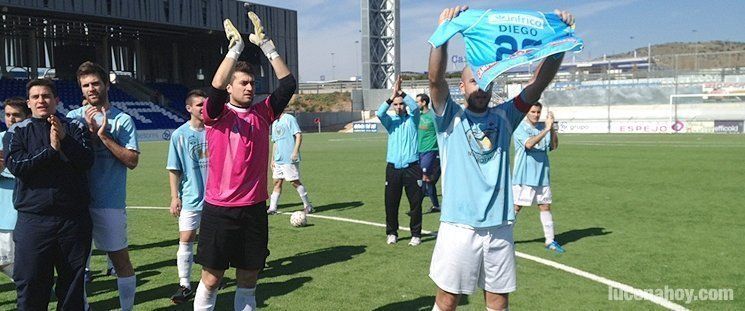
pixel 49 182
pixel 403 134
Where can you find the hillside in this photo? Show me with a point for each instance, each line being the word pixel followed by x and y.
pixel 336 101
pixel 718 54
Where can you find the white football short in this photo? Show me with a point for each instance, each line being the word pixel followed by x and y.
pixel 288 172
pixel 466 257
pixel 109 228
pixel 7 247
pixel 524 195
pixel 189 220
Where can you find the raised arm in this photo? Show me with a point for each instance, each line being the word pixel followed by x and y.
pixel 217 97
pixel 438 56
pixel 382 114
pixel 532 141
pixel 76 144
pixel 128 135
pixel 546 70
pixel 287 83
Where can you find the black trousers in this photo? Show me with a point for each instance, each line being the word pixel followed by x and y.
pixel 43 244
pixel 396 180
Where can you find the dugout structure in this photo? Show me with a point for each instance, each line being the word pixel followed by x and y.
pixel 171 41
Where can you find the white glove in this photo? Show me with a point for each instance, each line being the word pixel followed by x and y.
pixel 236 42
pixel 259 38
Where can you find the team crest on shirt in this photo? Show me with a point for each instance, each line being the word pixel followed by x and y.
pixel 483 141
pixel 279 130
pixel 198 151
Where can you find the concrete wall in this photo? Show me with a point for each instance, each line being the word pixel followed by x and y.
pixel 330 121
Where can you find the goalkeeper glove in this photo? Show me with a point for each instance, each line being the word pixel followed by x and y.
pixel 259 38
pixel 236 42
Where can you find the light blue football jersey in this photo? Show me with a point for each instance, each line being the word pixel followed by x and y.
pixel 531 167
pixel 283 137
pixel 475 157
pixel 108 176
pixel 403 133
pixel 498 40
pixel 187 153
pixel 8 213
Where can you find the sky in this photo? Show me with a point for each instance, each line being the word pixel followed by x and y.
pixel 606 26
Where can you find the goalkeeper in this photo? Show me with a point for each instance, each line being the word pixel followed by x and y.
pixel 234 229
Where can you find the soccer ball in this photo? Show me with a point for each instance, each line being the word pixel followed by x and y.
pixel 297 219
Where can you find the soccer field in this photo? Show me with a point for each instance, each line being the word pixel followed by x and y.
pixel 647 211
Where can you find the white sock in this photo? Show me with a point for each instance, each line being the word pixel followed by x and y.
pixel 245 299
pixel 548 226
pixel 184 260
pixel 303 195
pixel 8 270
pixel 127 286
pixel 205 299
pixel 273 201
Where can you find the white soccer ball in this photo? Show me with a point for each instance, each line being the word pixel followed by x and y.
pixel 298 219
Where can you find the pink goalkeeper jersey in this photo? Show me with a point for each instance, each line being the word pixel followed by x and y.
pixel 238 151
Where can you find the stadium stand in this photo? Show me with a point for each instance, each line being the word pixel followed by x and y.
pixel 147 115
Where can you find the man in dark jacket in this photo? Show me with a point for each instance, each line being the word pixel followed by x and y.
pixel 50 158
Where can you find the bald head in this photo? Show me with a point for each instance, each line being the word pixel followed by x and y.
pixel 477 100
pixel 466 74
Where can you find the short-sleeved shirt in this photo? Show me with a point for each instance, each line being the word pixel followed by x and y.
pixel 283 137
pixel 187 153
pixel 403 132
pixel 108 176
pixel 239 154
pixel 475 152
pixel 427 132
pixel 531 165
pixel 8 213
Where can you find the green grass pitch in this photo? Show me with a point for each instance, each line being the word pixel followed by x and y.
pixel 649 211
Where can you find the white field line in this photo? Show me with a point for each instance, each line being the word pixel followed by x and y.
pixel 619 143
pixel 652 143
pixel 606 144
pixel 593 277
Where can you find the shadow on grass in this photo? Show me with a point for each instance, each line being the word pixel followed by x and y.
pixel 310 260
pixel 100 286
pixel 571 236
pixel 285 266
pixel 264 291
pixel 134 247
pixel 8 287
pixel 338 206
pixel 290 207
pixel 423 303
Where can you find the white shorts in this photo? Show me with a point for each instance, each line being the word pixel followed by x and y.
pixel 464 258
pixel 288 172
pixel 7 247
pixel 524 195
pixel 109 228
pixel 189 220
